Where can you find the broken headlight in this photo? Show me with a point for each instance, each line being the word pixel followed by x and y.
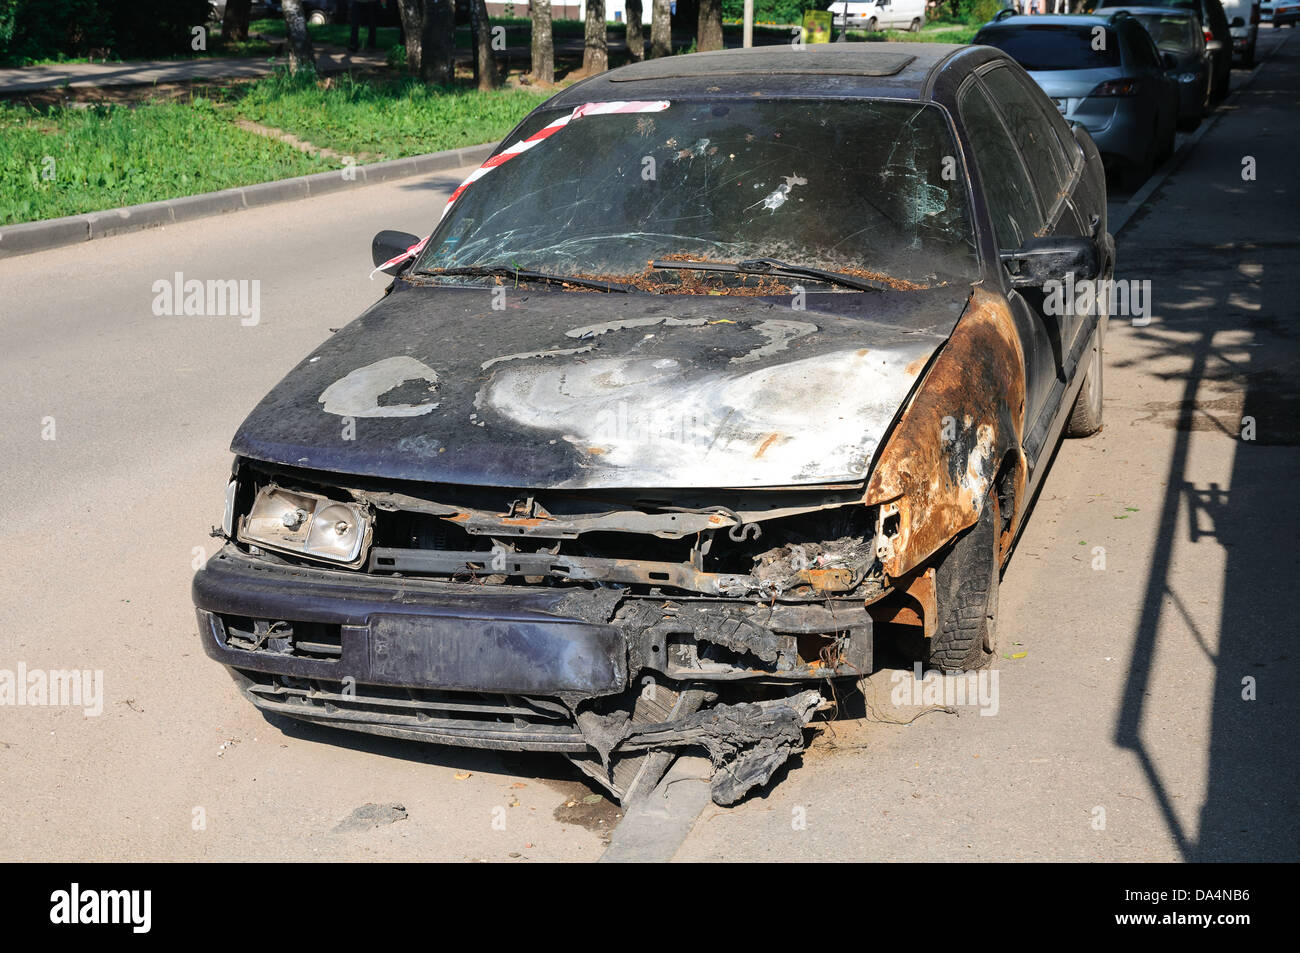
pixel 307 524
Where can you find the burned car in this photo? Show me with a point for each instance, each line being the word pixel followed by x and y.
pixel 721 366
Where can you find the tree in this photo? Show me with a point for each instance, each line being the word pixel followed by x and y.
pixel 543 42
pixel 635 40
pixel 429 29
pixel 485 67
pixel 301 54
pixel 595 50
pixel 661 28
pixel 710 26
pixel 234 22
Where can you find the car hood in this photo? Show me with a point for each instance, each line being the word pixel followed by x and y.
pixel 564 389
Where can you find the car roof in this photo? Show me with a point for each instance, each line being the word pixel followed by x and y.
pixel 1049 20
pixel 829 70
pixel 1139 9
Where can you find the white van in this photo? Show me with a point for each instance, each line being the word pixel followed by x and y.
pixel 874 15
pixel 1243 24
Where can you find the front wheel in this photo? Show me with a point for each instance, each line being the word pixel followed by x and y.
pixel 318 18
pixel 966 596
pixel 915 26
pixel 871 25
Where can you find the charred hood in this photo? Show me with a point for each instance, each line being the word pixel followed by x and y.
pixel 562 389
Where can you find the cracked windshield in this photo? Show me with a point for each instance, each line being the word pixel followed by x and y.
pixel 721 197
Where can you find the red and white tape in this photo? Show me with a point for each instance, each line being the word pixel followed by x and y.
pixel 522 146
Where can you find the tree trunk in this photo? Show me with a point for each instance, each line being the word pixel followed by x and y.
pixel 412 15
pixel 710 26
pixel 234 23
pixel 543 44
pixel 486 76
pixel 595 52
pixel 635 39
pixel 661 28
pixel 436 65
pixel 301 54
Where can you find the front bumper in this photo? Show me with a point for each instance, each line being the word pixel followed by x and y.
pixel 502 667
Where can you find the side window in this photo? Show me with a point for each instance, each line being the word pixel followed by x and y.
pixel 1022 107
pixel 1142 49
pixel 1007 188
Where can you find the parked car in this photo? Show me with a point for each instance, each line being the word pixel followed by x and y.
pixel 1102 72
pixel 1218 38
pixel 872 15
pixel 1178 36
pixel 317 12
pixel 1284 12
pixel 710 370
pixel 1243 25
pixel 256 10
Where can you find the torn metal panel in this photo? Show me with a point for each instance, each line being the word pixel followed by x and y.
pixel 963 422
pixel 746 742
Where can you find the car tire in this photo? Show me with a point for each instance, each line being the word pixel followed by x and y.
pixel 1085 416
pixel 871 25
pixel 966 596
pixel 1167 147
pixel 915 26
pixel 318 18
pixel 1248 61
pixel 1138 172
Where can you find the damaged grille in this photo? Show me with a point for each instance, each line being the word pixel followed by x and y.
pixel 309 640
pixel 465 718
pixel 802 557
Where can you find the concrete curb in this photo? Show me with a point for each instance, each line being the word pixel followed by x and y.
pixel 653 829
pixel 32 237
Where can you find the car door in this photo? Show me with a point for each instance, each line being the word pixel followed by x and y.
pixel 1026 112
pixel 1143 57
pixel 1015 215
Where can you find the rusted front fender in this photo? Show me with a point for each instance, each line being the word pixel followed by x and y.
pixel 963 425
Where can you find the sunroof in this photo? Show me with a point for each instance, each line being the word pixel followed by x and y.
pixel 835 61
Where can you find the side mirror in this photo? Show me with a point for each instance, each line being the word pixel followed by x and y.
pixel 389 244
pixel 1041 260
pixel 1168 61
pixel 1236 22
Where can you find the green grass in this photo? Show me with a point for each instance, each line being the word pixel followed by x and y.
pixel 108 156
pixel 384 119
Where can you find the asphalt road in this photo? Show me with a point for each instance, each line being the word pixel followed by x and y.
pixel 1127 696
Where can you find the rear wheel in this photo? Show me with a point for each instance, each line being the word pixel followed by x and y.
pixel 1085 416
pixel 966 596
pixel 1167 146
pixel 1138 172
pixel 318 18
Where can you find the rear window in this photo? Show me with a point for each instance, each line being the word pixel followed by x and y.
pixel 1177 34
pixel 1054 46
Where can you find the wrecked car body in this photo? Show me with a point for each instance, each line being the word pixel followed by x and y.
pixel 664 486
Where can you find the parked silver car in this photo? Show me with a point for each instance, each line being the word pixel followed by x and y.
pixel 1103 73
